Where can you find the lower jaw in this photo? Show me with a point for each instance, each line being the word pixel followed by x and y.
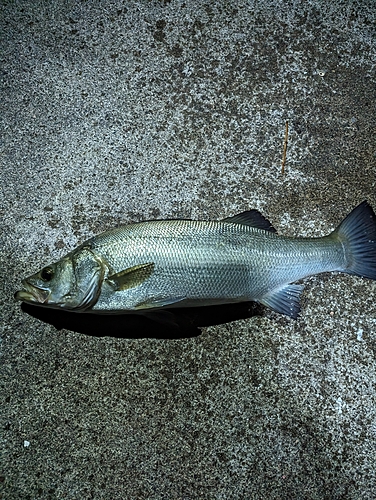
pixel 36 298
pixel 25 296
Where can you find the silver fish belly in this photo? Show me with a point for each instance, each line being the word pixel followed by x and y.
pixel 184 263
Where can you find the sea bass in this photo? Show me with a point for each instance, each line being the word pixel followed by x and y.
pixel 184 263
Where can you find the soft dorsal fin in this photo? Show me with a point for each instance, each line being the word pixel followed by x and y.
pixel 131 277
pixel 251 218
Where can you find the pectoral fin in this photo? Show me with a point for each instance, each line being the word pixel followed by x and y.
pixel 155 302
pixel 284 300
pixel 131 277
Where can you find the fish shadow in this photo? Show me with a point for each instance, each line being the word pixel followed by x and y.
pixel 162 324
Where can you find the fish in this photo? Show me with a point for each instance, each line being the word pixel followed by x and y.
pixel 161 264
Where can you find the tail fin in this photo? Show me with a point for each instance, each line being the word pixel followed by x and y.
pixel 358 235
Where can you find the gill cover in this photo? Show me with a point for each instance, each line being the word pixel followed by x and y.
pixel 88 272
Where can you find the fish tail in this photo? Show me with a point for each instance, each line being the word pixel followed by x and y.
pixel 357 233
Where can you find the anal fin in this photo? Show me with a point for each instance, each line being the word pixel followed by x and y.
pixel 285 300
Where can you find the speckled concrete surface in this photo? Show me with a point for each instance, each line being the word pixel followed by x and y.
pixel 121 111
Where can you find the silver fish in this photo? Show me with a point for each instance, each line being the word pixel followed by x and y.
pixel 184 263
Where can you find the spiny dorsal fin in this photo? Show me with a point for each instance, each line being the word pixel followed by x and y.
pixel 131 277
pixel 251 218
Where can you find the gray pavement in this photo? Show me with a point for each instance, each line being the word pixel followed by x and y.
pixel 114 112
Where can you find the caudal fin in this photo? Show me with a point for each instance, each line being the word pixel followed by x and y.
pixel 358 235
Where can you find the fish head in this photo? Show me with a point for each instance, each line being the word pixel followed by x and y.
pixel 74 282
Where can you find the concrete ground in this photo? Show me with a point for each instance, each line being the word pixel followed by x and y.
pixel 118 111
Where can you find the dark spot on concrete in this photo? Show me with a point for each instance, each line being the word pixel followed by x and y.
pixel 159 36
pixel 176 51
pixel 59 244
pixel 160 24
pixel 155 213
pixel 53 222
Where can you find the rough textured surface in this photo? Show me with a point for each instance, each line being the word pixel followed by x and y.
pixel 122 111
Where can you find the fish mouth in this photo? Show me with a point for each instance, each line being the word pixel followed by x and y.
pixel 32 293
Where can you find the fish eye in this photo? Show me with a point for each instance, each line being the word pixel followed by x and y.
pixel 47 274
